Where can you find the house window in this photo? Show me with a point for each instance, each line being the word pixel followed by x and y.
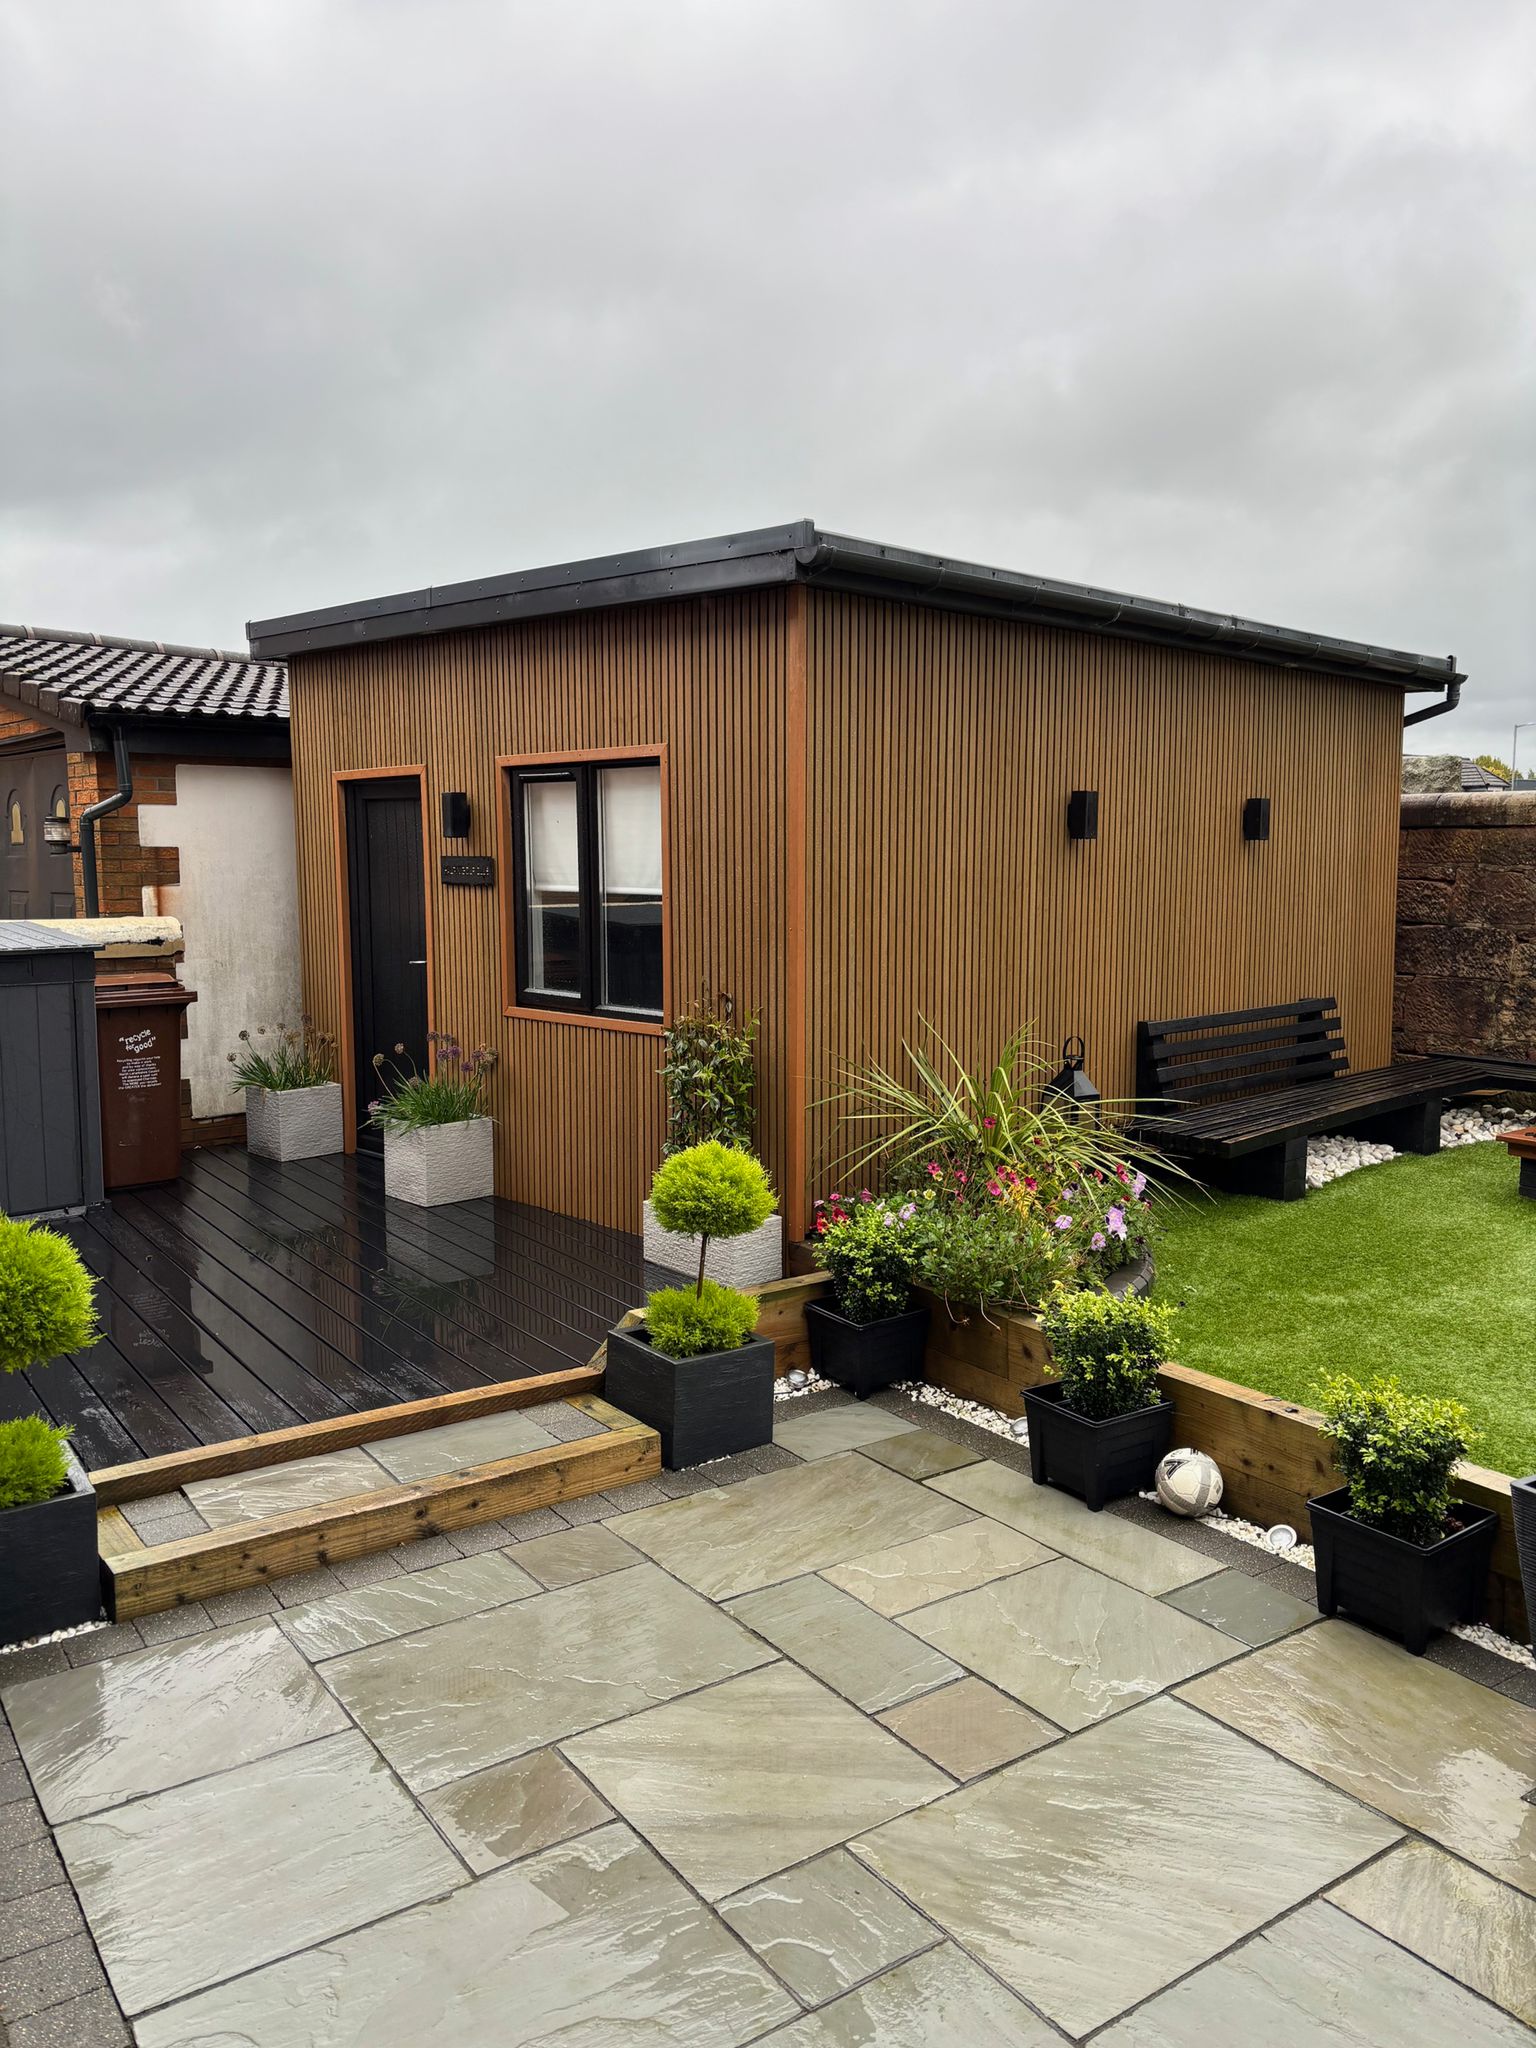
pixel 16 831
pixel 586 842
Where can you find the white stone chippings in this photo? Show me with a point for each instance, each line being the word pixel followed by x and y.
pixel 60 1635
pixel 1331 1157
pixel 807 1383
pixel 967 1411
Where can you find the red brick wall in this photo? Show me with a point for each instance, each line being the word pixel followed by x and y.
pixel 1466 925
pixel 124 868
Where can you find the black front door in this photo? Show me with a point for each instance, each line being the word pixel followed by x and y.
pixel 38 879
pixel 389 934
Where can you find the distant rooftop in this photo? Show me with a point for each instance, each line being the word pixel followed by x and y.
pixel 1439 774
pixel 79 676
pixel 802 553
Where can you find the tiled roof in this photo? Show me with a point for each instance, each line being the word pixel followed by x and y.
pixel 76 676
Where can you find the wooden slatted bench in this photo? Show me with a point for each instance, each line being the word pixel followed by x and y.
pixel 1241 1091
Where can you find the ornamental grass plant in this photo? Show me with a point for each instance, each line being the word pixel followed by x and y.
pixel 454 1090
pixel 287 1058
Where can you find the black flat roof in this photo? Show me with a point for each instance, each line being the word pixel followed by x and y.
pixel 802 553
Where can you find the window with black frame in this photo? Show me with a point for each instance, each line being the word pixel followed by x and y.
pixel 586 843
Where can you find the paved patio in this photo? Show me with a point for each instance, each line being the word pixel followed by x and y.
pixel 864 1742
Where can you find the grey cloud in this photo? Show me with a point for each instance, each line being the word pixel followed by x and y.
pixel 307 300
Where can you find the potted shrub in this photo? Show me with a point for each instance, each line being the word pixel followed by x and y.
pixel 869 1335
pixel 1099 1428
pixel 292 1096
pixel 438 1142
pixel 1393 1547
pixel 50 1574
pixel 709 1070
pixel 695 1372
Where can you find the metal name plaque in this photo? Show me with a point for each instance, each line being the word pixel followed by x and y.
pixel 468 871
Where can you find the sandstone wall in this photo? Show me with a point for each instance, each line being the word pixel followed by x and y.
pixel 1466 925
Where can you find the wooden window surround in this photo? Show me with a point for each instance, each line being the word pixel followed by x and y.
pixel 510 769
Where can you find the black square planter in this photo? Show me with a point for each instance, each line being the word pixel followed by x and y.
pixel 50 1569
pixel 1098 1461
pixel 702 1408
pixel 1522 1500
pixel 864 1357
pixel 1407 1590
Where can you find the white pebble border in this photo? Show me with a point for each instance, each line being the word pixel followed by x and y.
pixel 798 1382
pixel 1330 1158
pixel 60 1635
pixel 1013 1427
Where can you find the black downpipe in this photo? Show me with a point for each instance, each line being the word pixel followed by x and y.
pixel 1448 702
pixel 121 795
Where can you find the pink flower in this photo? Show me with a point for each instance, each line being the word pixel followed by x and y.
pixel 989 1123
pixel 1032 1185
pixel 865 1195
pixel 961 1179
pixel 1098 1240
pixel 933 1169
pixel 1063 1222
pixel 995 1188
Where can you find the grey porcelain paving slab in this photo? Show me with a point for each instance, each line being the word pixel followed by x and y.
pixel 427 1452
pixel 202 1882
pixel 496 1685
pixel 909 1575
pixel 568 1556
pixel 921 1454
pixel 1069 1642
pixel 515 1809
pixel 106 1732
pixel 1255 1611
pixel 827 1925
pixel 1096 1872
pixel 372 1614
pixel 1468 1925
pixel 826 1431
pixel 786 1523
pixel 969 1727
pixel 593 1944
pixel 1143 1559
pixel 938 2000
pixel 1316 1977
pixel 1432 1749
pixel 725 1783
pixel 868 1659
pixel 279 1489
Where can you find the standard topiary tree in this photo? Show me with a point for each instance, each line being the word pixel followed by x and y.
pixel 47 1306
pixel 711 1190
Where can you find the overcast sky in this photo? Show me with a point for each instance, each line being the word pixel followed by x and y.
pixel 303 301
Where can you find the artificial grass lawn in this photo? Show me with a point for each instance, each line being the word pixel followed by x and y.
pixel 1422 1267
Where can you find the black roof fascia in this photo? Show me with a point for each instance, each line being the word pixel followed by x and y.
pixel 801 553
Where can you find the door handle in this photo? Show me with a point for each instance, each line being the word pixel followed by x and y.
pixel 415 963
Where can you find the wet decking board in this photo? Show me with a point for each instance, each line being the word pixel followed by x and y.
pixel 250 1297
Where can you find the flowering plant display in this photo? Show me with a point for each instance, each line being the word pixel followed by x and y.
pixel 456 1089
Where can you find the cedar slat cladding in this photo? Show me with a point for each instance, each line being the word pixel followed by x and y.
pixel 579 1109
pixel 941 752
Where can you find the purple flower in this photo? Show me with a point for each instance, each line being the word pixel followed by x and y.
pixel 1114 1221
pixel 1063 1222
pixel 1138 1184
pixel 1098 1240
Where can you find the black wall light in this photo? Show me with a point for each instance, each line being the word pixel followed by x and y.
pixel 1083 814
pixel 455 814
pixel 1256 818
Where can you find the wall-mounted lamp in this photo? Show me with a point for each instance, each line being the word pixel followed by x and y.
pixel 1071 1090
pixel 455 814
pixel 1256 818
pixel 1083 814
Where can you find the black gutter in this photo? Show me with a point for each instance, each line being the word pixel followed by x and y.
pixel 1448 702
pixel 88 817
pixel 800 553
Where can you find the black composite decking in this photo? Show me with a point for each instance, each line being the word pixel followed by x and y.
pixel 250 1296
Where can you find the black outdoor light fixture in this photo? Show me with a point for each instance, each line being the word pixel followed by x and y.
pixel 1071 1088
pixel 455 814
pixel 1256 818
pixel 1083 814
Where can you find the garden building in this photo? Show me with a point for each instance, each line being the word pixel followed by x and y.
pixel 853 786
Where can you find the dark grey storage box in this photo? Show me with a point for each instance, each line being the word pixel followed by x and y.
pixel 50 1112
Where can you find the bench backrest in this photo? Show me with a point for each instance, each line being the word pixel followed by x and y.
pixel 1239 1052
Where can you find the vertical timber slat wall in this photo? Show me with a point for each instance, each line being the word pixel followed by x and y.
pixel 579 1108
pixel 941 752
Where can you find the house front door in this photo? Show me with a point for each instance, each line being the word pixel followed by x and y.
pixel 39 880
pixel 388 922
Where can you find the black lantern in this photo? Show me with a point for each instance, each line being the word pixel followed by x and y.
pixel 1071 1089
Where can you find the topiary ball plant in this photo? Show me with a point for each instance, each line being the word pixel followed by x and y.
pixel 1106 1349
pixel 33 1463
pixel 47 1304
pixel 710 1190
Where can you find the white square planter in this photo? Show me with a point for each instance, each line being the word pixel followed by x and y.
pixel 294 1123
pixel 733 1261
pixel 441 1163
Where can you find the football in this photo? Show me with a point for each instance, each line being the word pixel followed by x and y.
pixel 1188 1482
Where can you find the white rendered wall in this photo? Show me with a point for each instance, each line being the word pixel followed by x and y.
pixel 239 908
